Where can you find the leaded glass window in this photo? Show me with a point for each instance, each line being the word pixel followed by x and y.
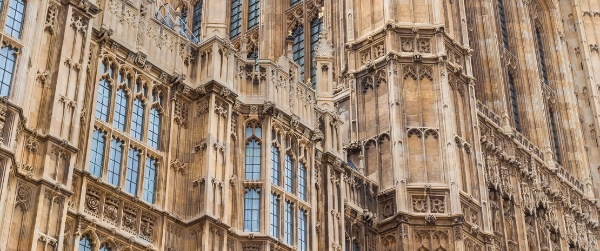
pixel 253 13
pixel 121 110
pixel 235 21
pixel 252 210
pixel 97 153
pixel 289 179
pixel 114 164
pixel 513 101
pixel 541 55
pixel 133 169
pixel 298 49
pixel 315 30
pixel 252 160
pixel 154 128
pixel 105 248
pixel 288 227
pixel 274 216
pixel 103 102
pixel 275 166
pixel 554 136
pixel 85 244
pixel 150 180
pixel 302 181
pixel 8 58
pixel 302 235
pixel 137 119
pixel 14 18
pixel 503 23
pixel 197 20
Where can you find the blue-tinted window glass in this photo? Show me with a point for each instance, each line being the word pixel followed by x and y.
pixel 315 30
pixel 133 168
pixel 274 216
pixel 235 23
pixel 298 49
pixel 102 105
pixel 85 244
pixel 114 164
pixel 541 55
pixel 14 18
pixel 513 101
pixel 302 235
pixel 252 211
pixel 288 227
pixel 252 160
pixel 503 23
pixel 97 153
pixel 197 20
pixel 154 128
pixel 253 13
pixel 7 66
pixel 289 172
pixel 302 181
pixel 275 166
pixel 150 180
pixel 292 2
pixel 105 248
pixel 554 136
pixel 121 110
pixel 137 119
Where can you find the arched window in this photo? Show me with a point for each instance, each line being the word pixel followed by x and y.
pixel 315 30
pixel 554 136
pixel 121 110
pixel 274 216
pixel 103 102
pixel 298 49
pixel 14 18
pixel 8 58
pixel 289 172
pixel 154 128
pixel 253 13
pixel 502 20
pixel 275 166
pixel 85 244
pixel 301 181
pixel 197 20
pixel 513 101
pixel 150 180
pixel 302 226
pixel 252 210
pixel 137 119
pixel 541 56
pixel 288 227
pixel 133 169
pixel 114 164
pixel 97 153
pixel 235 21
pixel 253 135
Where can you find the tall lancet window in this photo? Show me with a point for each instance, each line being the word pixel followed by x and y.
pixel 235 20
pixel 541 56
pixel 253 13
pixel 197 21
pixel 502 17
pixel 315 30
pixel 298 49
pixel 14 19
pixel 554 136
pixel 513 102
pixel 253 143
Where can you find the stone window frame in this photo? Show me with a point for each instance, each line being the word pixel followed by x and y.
pixel 253 125
pixel 303 13
pixel 4 16
pixel 157 93
pixel 247 191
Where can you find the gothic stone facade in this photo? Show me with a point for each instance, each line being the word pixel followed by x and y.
pixel 356 125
